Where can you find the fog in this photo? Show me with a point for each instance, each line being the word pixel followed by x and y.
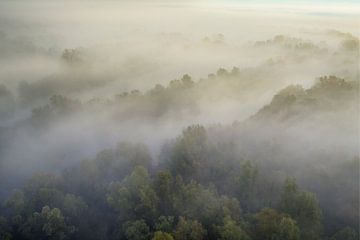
pixel 122 46
pixel 279 82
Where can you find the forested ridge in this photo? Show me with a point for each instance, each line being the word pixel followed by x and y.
pixel 199 187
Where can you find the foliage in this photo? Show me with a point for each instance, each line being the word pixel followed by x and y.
pixel 121 195
pixel 189 230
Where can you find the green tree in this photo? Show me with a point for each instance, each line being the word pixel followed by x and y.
pixel 136 230
pixel 55 226
pixel 48 224
pixel 165 223
pixel 189 152
pixel 287 230
pixel 230 230
pixel 266 224
pixel 74 206
pixel 304 208
pixel 271 225
pixel 134 197
pixel 187 81
pixel 246 184
pixel 129 155
pixel 189 230
pixel 159 235
pixel 163 185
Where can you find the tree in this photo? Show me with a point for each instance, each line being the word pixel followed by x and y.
pixel 246 184
pixel 159 235
pixel 55 226
pixel 165 223
pixel 189 152
pixel 136 230
pixel 48 224
pixel 134 197
pixel 41 180
pixel 63 105
pixel 303 207
pixel 116 164
pixel 51 197
pixel 16 201
pixel 133 155
pixel 266 224
pixel 72 56
pixel 222 72
pixel 230 230
pixel 271 225
pixel 189 230
pixel 163 185
pixel 187 81
pixel 287 230
pixel 73 206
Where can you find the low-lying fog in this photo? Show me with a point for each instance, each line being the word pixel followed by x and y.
pixel 235 58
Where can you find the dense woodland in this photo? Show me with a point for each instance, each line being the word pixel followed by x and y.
pixel 179 120
pixel 199 187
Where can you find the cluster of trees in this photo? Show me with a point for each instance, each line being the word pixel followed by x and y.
pixel 195 191
pixel 349 42
pixel 291 43
pixel 183 96
pixel 327 94
pixel 180 96
pixel 84 72
pixel 200 187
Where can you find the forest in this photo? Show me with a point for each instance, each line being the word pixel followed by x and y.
pixel 192 128
pixel 199 188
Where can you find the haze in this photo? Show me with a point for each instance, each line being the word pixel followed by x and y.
pixel 205 90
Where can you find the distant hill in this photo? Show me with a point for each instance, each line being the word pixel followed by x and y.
pixel 329 93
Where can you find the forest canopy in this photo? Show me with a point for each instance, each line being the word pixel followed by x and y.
pixel 168 120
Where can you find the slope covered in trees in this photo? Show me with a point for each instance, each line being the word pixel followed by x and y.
pixel 199 187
